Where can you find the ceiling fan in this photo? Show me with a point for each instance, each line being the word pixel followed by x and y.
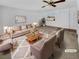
pixel 52 2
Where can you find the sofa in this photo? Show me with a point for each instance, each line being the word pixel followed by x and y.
pixel 45 50
pixel 59 37
pixel 5 45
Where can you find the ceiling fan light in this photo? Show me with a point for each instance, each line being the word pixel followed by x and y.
pixel 53 2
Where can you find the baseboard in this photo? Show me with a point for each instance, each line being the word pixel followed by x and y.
pixel 73 30
pixel 69 29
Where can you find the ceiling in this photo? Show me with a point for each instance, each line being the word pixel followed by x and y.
pixel 34 4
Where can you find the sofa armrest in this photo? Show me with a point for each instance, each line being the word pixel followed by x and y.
pixel 5 45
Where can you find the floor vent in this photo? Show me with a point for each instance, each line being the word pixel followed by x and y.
pixel 71 50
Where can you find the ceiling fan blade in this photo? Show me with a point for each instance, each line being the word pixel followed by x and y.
pixel 43 6
pixel 54 5
pixel 59 1
pixel 45 1
pixel 47 5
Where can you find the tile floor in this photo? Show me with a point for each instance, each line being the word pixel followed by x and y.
pixel 70 42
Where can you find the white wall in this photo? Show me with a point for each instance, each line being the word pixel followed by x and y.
pixel 64 17
pixel 1 20
pixel 8 15
pixel 73 18
pixel 77 4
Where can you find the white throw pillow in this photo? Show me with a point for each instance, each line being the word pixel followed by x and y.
pixel 23 27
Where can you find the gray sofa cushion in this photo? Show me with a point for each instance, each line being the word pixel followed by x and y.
pixel 20 33
pixel 46 51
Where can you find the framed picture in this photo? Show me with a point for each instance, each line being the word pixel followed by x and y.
pixel 20 19
pixel 78 17
pixel 51 18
